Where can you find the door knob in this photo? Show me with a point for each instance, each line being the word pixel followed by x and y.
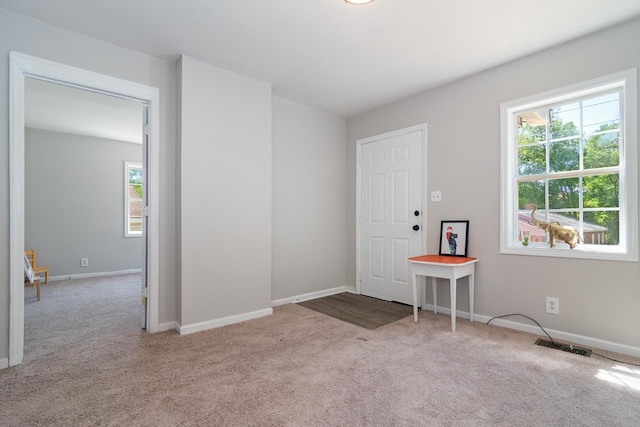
pixel 417 213
pixel 416 227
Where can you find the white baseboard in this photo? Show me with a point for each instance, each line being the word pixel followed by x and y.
pixel 4 363
pixel 224 321
pixel 98 274
pixel 592 343
pixel 309 296
pixel 447 310
pixel 168 326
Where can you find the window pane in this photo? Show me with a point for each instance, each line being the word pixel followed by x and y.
pixel 568 219
pixel 135 225
pixel 601 191
pixel 563 193
pixel 135 208
pixel 135 192
pixel 564 156
pixel 530 193
pixel 602 150
pixel 135 216
pixel 527 232
pixel 565 120
pixel 532 160
pixel 602 228
pixel 135 175
pixel 601 113
pixel 532 127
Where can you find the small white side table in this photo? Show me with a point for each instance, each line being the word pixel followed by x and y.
pixel 444 267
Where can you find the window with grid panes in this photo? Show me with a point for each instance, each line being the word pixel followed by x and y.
pixel 134 204
pixel 572 155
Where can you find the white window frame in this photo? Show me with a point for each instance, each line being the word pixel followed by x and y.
pixel 127 200
pixel 627 250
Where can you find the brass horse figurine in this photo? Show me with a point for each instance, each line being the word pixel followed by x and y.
pixel 556 231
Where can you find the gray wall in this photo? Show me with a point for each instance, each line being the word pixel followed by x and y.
pixel 598 299
pixel 309 196
pixel 35 38
pixel 74 202
pixel 224 193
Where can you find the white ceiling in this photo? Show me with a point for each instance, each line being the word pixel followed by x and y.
pixel 58 108
pixel 325 53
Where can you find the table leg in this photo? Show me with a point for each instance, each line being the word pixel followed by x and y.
pixel 422 280
pixel 471 296
pixel 415 297
pixel 452 286
pixel 434 288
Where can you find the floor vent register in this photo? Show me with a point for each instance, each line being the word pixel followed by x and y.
pixel 564 347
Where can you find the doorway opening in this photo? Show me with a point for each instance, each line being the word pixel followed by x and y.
pixel 79 150
pixel 23 67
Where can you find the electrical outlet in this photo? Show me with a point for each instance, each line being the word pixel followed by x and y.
pixel 436 196
pixel 84 262
pixel 553 305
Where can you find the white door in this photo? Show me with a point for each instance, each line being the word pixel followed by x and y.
pixel 391 213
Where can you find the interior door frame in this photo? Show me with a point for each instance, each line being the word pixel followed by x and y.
pixel 22 66
pixel 423 174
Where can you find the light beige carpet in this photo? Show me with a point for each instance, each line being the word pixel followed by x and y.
pixel 298 368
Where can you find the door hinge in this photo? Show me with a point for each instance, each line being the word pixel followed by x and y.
pixel 144 301
pixel 145 129
pixel 145 292
pixel 145 211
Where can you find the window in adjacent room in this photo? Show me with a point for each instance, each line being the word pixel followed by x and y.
pixel 572 154
pixel 133 199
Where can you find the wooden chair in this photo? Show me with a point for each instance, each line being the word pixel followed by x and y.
pixel 30 279
pixel 31 255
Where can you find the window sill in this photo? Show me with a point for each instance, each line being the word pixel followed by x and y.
pixel 562 250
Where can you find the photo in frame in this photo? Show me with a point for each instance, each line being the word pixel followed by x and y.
pixel 454 236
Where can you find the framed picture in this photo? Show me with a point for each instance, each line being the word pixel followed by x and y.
pixel 453 238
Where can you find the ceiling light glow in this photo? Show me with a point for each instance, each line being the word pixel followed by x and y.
pixel 358 1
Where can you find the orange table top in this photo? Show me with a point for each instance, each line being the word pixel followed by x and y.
pixel 442 259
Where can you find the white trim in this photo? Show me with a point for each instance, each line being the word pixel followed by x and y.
pixel 98 274
pixel 446 310
pixel 20 67
pixel 628 250
pixel 224 321
pixel 16 211
pixel 152 180
pixel 590 342
pixel 4 363
pixel 423 225
pixel 309 296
